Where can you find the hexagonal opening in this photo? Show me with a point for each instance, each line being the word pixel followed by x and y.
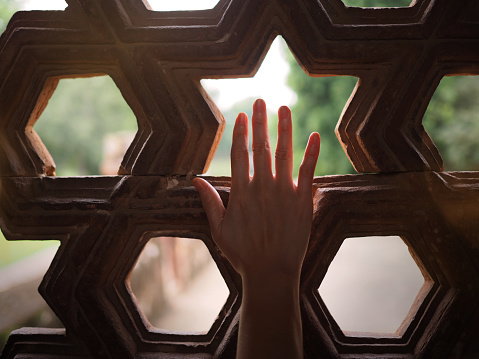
pixel 379 3
pixel 87 126
pixel 372 286
pixel 452 121
pixel 180 5
pixel 178 286
pixel 280 80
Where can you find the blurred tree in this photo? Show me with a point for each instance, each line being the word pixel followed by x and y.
pixel 320 103
pixel 318 108
pixel 78 116
pixel 452 121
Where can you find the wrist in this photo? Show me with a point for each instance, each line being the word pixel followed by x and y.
pixel 266 285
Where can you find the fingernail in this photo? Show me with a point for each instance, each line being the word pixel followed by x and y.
pixel 240 119
pixel 241 125
pixel 198 183
pixel 259 105
pixel 284 111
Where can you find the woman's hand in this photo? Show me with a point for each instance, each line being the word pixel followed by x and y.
pixel 265 229
pixel 264 232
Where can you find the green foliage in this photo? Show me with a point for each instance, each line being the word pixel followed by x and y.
pixel 78 116
pixel 452 121
pixel 319 106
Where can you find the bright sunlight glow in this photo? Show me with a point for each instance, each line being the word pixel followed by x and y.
pixel 168 5
pixel 269 83
pixel 43 5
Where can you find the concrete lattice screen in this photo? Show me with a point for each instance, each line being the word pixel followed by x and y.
pixel 157 60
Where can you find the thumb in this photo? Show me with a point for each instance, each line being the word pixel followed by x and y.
pixel 212 203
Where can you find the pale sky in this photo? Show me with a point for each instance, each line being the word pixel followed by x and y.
pixel 269 82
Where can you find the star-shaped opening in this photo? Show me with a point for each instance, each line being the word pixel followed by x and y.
pixel 87 126
pixel 371 286
pixel 316 103
pixel 178 286
pixel 452 121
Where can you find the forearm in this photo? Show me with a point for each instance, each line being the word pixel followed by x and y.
pixel 270 322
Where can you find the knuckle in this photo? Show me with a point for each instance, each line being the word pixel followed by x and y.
pixel 307 168
pixel 261 147
pixel 283 155
pixel 239 153
pixel 309 156
pixel 309 159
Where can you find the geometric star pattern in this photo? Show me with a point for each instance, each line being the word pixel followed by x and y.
pixel 157 60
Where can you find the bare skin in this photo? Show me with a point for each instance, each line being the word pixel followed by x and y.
pixel 264 233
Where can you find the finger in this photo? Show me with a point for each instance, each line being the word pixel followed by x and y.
pixel 239 152
pixel 306 170
pixel 284 148
pixel 261 144
pixel 212 203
